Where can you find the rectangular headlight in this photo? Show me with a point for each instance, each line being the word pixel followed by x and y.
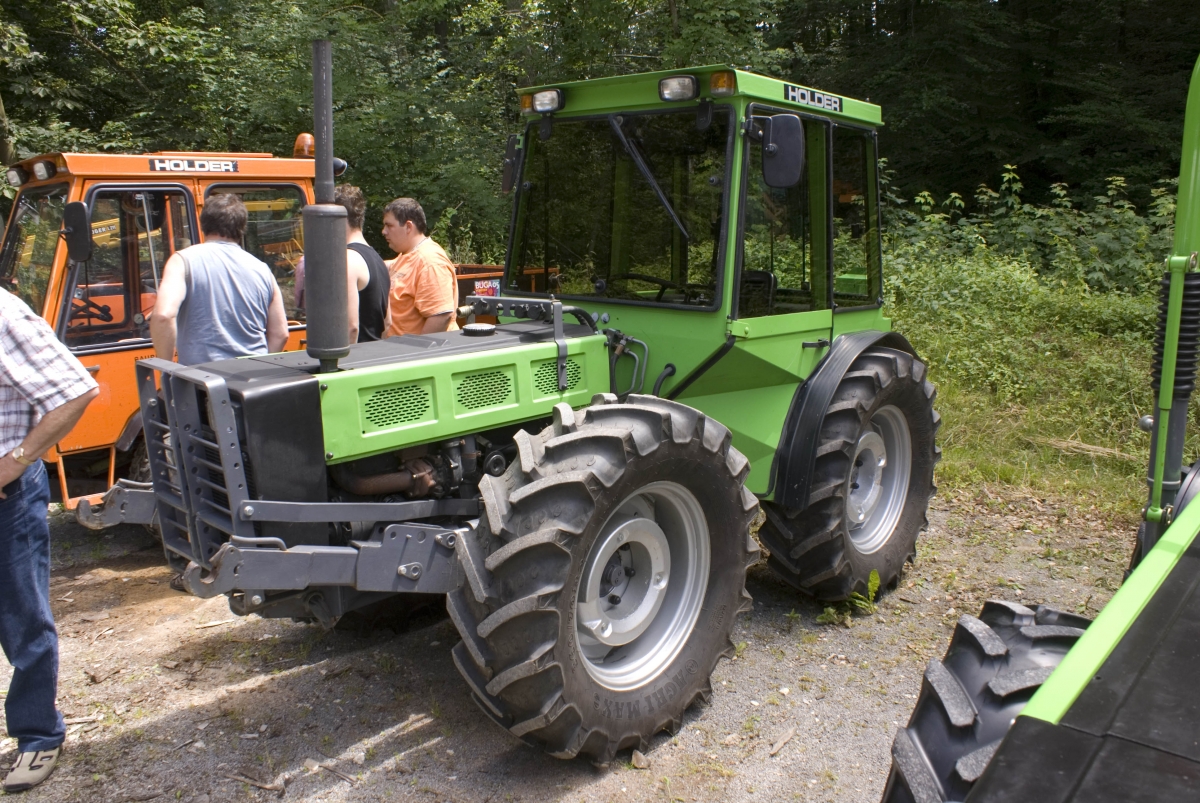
pixel 677 87
pixel 16 176
pixel 548 100
pixel 44 170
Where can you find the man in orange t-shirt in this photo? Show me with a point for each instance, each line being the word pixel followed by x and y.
pixel 424 294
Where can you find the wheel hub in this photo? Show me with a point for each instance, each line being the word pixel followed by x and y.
pixel 622 589
pixel 879 478
pixel 866 477
pixel 642 586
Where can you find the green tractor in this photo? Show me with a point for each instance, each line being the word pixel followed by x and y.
pixel 689 329
pixel 1034 704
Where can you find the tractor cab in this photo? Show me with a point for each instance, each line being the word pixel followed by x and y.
pixel 722 216
pixel 140 209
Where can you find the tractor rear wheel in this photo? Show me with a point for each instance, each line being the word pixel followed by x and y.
pixel 871 484
pixel 605 575
pixel 970 698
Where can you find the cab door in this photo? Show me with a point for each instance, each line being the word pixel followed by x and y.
pixel 105 311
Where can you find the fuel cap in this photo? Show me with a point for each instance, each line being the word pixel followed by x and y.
pixel 479 329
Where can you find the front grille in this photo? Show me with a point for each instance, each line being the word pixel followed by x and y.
pixel 486 389
pixel 197 464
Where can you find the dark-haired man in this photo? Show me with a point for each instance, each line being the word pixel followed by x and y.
pixel 215 301
pixel 424 294
pixel 367 277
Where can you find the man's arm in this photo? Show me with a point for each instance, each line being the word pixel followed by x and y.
pixel 436 323
pixel 53 427
pixel 436 295
pixel 357 276
pixel 172 290
pixel 277 325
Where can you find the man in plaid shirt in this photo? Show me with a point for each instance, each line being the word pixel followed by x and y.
pixel 43 392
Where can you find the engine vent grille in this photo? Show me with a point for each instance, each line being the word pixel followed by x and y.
pixel 390 407
pixel 545 377
pixel 489 389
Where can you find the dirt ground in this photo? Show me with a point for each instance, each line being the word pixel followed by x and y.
pixel 173 698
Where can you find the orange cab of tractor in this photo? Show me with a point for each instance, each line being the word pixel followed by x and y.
pixel 139 209
pixel 127 214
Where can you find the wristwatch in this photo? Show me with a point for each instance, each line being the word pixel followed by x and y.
pixel 18 454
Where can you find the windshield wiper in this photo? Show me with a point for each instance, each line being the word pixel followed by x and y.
pixel 615 121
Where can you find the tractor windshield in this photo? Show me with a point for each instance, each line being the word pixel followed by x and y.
pixel 27 255
pixel 623 207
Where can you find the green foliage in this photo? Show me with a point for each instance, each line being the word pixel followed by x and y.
pixel 843 612
pixel 1037 325
pixel 1073 91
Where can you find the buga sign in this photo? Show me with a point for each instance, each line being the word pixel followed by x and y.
pixel 194 165
pixel 811 97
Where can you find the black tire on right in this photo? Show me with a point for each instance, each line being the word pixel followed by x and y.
pixel 970 698
pixel 812 548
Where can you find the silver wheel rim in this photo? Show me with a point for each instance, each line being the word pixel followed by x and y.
pixel 879 475
pixel 642 586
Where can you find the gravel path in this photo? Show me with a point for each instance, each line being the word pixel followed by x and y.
pixel 173 698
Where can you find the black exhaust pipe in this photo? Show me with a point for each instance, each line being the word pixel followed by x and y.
pixel 325 231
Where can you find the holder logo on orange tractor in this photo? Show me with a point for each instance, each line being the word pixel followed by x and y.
pixel 194 165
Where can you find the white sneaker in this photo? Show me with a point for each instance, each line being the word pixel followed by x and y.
pixel 31 769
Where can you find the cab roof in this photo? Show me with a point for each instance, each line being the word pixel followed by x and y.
pixel 165 165
pixel 639 92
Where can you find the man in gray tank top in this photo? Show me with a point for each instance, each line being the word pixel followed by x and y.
pixel 215 301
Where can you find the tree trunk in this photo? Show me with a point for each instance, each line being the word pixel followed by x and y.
pixel 8 152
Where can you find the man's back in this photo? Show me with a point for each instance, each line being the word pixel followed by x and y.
pixel 224 314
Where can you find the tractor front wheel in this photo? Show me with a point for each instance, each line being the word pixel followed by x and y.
pixel 605 575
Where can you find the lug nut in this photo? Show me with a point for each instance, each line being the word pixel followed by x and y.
pixel 629 572
pixel 615 599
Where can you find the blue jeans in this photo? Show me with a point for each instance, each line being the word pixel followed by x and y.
pixel 27 631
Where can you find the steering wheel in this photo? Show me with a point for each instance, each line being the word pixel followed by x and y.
pixel 663 284
pixel 86 308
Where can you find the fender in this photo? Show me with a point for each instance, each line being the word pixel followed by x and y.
pixel 791 474
pixel 133 428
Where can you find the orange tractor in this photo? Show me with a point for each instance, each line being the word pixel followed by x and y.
pixel 141 209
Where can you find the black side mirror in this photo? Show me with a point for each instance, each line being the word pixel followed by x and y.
pixel 77 231
pixel 510 165
pixel 782 150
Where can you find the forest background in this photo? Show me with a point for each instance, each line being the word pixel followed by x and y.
pixel 1031 149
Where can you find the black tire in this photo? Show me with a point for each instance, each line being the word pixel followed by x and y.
pixel 970 698
pixel 521 652
pixel 139 471
pixel 815 549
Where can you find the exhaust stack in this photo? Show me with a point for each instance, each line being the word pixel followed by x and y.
pixel 325 231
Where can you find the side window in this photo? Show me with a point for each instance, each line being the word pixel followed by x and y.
pixel 133 232
pixel 274 233
pixel 27 256
pixel 783 266
pixel 856 257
